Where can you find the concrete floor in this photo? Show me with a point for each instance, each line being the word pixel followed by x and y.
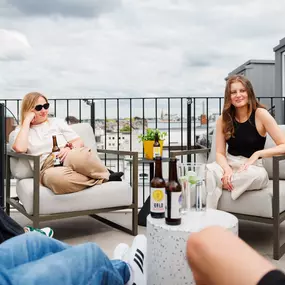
pixel 85 229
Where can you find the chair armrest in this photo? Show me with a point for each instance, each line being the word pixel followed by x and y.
pixel 276 178
pixel 36 178
pixel 23 155
pixel 135 168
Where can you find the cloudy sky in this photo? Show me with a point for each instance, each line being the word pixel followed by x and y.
pixel 110 48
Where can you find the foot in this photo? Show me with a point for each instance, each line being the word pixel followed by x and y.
pixel 45 231
pixel 137 261
pixel 121 252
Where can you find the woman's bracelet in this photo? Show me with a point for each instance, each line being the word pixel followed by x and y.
pixel 69 145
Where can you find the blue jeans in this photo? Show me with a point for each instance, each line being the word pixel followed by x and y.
pixel 33 258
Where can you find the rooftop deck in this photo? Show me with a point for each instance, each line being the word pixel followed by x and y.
pixel 86 229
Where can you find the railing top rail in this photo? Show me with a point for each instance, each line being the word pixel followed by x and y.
pixel 141 98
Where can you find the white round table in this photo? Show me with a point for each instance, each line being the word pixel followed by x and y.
pixel 166 245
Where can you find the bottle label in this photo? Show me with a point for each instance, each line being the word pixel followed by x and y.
pixel 56 160
pixel 174 207
pixel 157 200
pixel 156 151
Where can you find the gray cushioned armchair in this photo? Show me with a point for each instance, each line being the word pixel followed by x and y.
pixel 266 205
pixel 39 203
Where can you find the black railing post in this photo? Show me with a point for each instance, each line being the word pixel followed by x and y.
pixel 2 154
pixel 93 116
pixel 189 143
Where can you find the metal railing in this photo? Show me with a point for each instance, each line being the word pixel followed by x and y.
pixel 185 119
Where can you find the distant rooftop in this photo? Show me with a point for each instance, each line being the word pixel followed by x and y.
pixel 248 63
pixel 281 44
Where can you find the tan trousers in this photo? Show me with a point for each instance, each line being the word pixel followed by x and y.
pixel 254 178
pixel 81 169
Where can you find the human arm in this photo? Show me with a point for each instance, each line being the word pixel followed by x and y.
pixel 76 143
pixel 274 131
pixel 269 125
pixel 221 155
pixel 216 256
pixel 73 140
pixel 21 142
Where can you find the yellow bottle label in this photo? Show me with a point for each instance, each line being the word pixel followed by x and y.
pixel 157 200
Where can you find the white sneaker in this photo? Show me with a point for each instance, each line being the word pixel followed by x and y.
pixel 121 252
pixel 137 261
pixel 45 231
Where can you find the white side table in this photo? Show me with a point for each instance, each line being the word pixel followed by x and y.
pixel 166 245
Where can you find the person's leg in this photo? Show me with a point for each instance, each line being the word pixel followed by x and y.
pixel 84 161
pixel 28 247
pixel 62 180
pixel 8 227
pixel 214 174
pixel 253 178
pixel 216 256
pixel 82 264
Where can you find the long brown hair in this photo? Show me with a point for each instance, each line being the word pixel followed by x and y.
pixel 28 103
pixel 229 110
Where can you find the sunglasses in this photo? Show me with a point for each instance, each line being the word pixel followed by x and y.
pixel 39 107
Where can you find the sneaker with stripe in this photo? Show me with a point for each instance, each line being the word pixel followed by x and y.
pixel 121 252
pixel 45 231
pixel 137 261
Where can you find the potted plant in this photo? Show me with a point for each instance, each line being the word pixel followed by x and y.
pixel 148 141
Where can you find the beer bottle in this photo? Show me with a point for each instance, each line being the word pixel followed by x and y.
pixel 156 146
pixel 157 192
pixel 55 151
pixel 173 197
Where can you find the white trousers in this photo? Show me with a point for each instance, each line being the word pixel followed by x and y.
pixel 254 178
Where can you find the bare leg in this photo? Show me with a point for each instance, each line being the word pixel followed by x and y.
pixel 216 256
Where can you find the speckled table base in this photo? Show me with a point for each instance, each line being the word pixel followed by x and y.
pixel 166 245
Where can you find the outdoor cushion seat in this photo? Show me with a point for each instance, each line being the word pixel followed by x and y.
pixel 255 203
pixel 106 195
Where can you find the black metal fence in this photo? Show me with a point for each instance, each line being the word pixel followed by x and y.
pixel 185 119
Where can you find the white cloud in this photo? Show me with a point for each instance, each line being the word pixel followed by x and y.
pixel 135 48
pixel 13 45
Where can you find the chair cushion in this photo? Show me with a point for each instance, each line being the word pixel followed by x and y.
pixel 20 168
pixel 268 162
pixel 256 203
pixel 212 155
pixel 85 131
pixel 110 194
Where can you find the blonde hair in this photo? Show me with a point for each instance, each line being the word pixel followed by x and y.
pixel 28 103
pixel 229 110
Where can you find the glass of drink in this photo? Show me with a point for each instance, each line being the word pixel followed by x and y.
pixel 192 178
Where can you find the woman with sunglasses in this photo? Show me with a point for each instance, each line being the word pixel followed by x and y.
pixel 80 168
